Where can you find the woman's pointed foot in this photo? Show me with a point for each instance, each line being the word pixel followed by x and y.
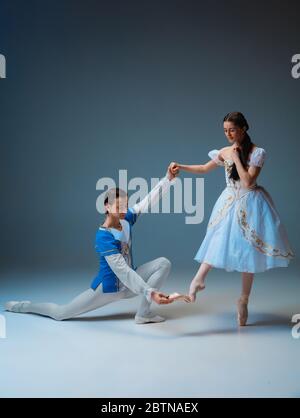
pixel 178 296
pixel 242 310
pixel 194 289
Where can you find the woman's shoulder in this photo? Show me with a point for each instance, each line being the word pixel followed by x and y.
pixel 224 149
pixel 224 152
pixel 216 156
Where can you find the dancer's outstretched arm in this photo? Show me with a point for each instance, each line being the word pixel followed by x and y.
pixel 133 281
pixel 195 169
pixel 153 197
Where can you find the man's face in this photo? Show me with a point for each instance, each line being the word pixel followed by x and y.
pixel 119 207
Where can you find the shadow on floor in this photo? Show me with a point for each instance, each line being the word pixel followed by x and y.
pixel 266 319
pixel 109 317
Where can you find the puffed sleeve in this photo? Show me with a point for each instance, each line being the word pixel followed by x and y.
pixel 214 155
pixel 257 158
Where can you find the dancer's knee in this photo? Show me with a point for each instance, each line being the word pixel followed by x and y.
pixel 165 263
pixel 60 315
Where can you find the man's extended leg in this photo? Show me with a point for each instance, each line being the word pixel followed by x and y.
pixel 85 302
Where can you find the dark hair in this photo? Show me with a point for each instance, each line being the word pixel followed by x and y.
pixel 112 195
pixel 246 146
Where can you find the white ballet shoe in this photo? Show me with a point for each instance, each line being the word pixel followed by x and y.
pixel 178 296
pixel 148 320
pixel 242 310
pixel 13 306
pixel 194 290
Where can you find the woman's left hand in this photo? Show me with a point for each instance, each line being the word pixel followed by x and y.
pixel 234 154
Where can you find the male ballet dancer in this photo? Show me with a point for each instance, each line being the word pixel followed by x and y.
pixel 117 278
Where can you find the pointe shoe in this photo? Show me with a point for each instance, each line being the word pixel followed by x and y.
pixel 12 305
pixel 178 296
pixel 193 291
pixel 242 310
pixel 148 320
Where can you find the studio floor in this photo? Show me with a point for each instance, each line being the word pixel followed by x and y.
pixel 198 352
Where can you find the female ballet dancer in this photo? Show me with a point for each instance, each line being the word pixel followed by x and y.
pixel 117 278
pixel 244 232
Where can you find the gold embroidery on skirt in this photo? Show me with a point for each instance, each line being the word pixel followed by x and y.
pixel 221 212
pixel 254 239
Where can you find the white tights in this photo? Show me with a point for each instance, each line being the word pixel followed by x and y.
pixel 154 273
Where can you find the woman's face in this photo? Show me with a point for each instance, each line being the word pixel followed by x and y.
pixel 234 133
pixel 118 208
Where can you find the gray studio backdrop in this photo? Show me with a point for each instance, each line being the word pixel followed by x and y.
pixel 97 86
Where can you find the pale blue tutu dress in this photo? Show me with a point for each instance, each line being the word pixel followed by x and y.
pixel 244 232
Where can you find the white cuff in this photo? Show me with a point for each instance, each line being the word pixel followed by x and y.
pixel 148 293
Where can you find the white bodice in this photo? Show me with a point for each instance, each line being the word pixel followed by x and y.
pixel 256 158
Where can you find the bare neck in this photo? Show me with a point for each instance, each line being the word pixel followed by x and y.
pixel 112 221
